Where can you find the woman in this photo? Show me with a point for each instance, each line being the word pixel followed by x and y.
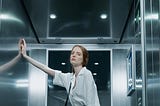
pixel 79 84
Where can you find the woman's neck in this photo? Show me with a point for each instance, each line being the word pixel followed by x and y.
pixel 77 69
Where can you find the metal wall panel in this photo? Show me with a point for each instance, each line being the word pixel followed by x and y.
pixel 14 22
pixel 13 81
pixel 38 80
pixel 152 52
pixel 119 78
pixel 23 84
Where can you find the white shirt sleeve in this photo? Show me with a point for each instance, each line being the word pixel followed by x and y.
pixel 61 79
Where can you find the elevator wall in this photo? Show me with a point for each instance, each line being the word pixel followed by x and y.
pixel 119 78
pixel 13 81
pixel 22 84
pixel 151 38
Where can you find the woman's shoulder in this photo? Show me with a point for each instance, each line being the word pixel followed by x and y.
pixel 87 71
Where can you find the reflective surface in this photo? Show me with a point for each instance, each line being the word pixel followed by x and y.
pixel 13 81
pixel 80 18
pixel 119 79
pixel 152 52
pixel 22 84
pixel 58 21
pixel 37 95
pixel 14 22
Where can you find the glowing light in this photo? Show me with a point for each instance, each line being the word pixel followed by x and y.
pixel 139 18
pixel 10 17
pixel 53 16
pixel 4 16
pixel 94 73
pixel 103 16
pixel 96 63
pixel 152 17
pixel 22 83
pixel 63 63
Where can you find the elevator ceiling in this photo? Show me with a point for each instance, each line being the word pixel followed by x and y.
pixel 61 21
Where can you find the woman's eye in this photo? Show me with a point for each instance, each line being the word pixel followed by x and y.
pixel 79 54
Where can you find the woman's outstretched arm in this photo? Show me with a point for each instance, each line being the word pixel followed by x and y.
pixel 37 64
pixel 11 63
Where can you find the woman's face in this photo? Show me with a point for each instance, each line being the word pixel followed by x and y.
pixel 76 57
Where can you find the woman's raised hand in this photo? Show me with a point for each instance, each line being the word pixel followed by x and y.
pixel 22 47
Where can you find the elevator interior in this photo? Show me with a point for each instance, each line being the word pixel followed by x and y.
pixel 104 27
pixel 55 26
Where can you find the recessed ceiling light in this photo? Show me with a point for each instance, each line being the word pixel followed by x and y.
pixel 63 63
pixel 96 63
pixel 53 16
pixel 103 16
pixel 94 73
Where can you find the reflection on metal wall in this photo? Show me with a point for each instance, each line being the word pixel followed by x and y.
pixel 14 21
pixel 152 53
pixel 13 81
pixel 22 84
pixel 151 49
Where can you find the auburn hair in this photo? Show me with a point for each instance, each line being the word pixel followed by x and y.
pixel 85 54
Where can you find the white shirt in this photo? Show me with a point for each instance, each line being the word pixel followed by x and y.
pixel 85 91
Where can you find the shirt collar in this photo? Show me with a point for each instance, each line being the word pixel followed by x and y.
pixel 82 71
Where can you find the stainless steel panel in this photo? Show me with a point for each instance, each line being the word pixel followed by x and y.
pixel 23 84
pixel 14 22
pixel 119 78
pixel 38 80
pixel 151 57
pixel 13 81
